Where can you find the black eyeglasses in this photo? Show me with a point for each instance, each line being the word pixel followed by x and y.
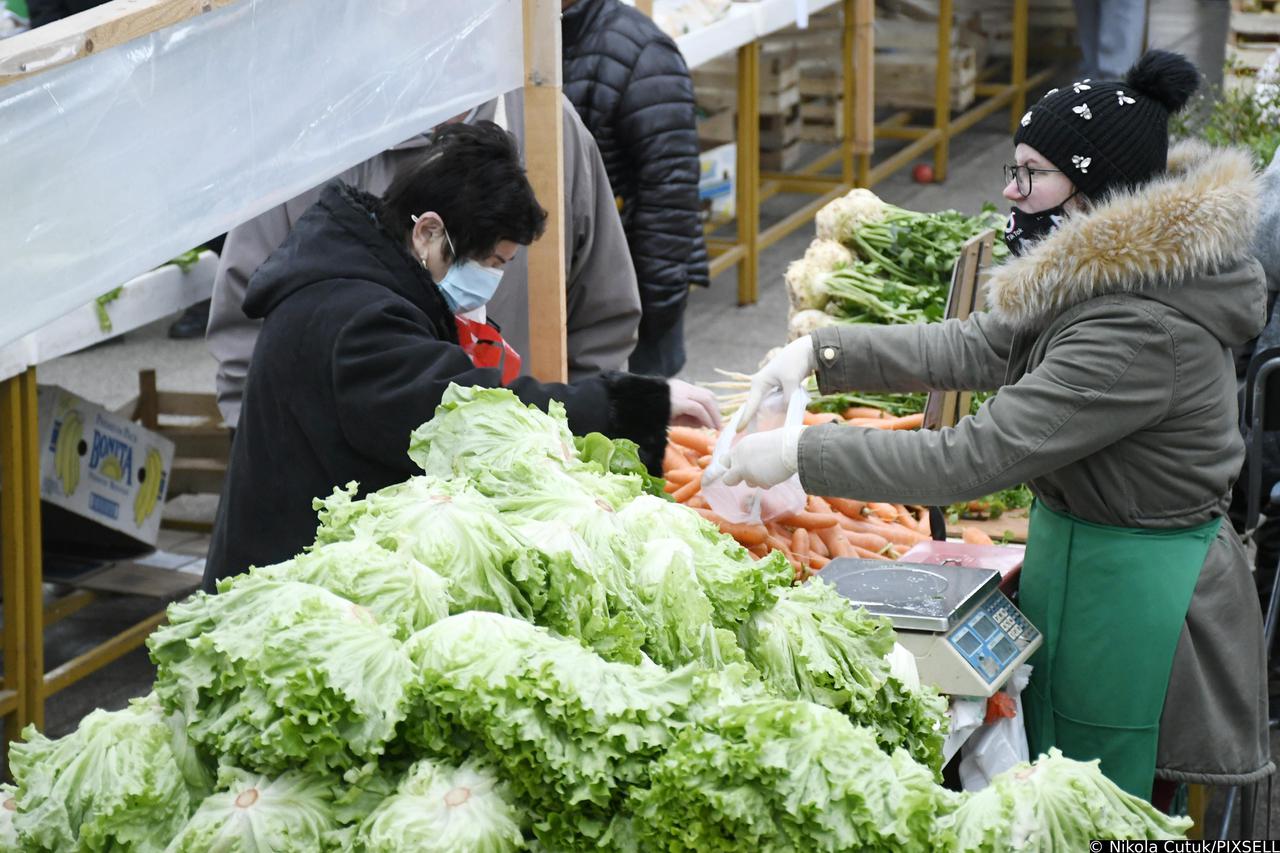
pixel 1021 175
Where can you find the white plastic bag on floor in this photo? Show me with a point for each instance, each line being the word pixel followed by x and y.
pixel 996 747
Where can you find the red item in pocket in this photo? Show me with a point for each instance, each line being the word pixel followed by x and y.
pixel 483 344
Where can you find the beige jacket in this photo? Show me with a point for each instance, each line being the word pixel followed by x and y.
pixel 1110 344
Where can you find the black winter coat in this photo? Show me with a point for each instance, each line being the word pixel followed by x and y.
pixel 356 350
pixel 631 87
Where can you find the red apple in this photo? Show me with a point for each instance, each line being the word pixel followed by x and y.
pixel 922 173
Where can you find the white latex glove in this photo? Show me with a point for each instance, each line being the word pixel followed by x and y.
pixel 786 370
pixel 693 406
pixel 764 459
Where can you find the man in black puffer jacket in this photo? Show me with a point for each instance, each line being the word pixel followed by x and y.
pixel 632 89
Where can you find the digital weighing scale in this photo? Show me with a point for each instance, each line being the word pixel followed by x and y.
pixel 967 637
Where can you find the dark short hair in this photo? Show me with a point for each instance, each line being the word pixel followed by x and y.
pixel 471 175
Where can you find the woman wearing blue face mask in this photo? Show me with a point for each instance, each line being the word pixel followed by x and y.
pixel 371 308
pixel 1109 341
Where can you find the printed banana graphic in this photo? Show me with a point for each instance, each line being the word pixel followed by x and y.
pixel 67 452
pixel 148 487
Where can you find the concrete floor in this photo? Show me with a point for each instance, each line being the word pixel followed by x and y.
pixel 719 334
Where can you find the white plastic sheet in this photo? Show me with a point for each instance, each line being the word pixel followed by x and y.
pixel 116 163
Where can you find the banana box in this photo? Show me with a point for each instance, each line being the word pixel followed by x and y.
pixel 103 478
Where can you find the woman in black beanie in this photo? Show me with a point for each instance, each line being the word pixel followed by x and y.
pixel 1109 339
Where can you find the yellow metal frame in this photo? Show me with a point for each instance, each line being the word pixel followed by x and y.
pixel 26 684
pixel 855 147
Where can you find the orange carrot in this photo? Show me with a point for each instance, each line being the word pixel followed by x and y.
pixel 863 412
pixel 818 505
pixel 688 490
pixel 817 562
pixel 704 461
pixel 800 545
pixel 759 551
pixel 748 535
pixel 680 476
pixel 695 439
pixel 888 512
pixel 851 508
pixel 809 520
pixel 907 422
pixel 819 418
pixel 868 555
pixel 837 541
pixel 974 536
pixel 819 546
pixel 778 543
pixel 672 459
pixel 869 541
pixel 895 533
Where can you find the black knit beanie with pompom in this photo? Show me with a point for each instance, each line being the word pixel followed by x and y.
pixel 1112 135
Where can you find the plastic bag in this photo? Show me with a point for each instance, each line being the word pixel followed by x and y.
pixel 744 504
pixel 997 746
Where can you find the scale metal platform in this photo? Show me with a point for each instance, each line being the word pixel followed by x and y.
pixel 967 637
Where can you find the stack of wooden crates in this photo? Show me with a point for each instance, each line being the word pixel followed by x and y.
pixel 715 86
pixel 1253 35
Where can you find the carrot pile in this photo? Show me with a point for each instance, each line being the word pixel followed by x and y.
pixel 827 527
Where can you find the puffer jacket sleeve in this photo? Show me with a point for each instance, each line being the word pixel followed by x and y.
pixel 657 123
pixel 1102 380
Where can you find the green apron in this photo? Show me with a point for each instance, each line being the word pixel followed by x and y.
pixel 1110 602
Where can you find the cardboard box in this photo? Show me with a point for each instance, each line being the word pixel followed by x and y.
pixel 104 476
pixel 717 189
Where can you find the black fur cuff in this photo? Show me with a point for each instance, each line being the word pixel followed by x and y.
pixel 639 409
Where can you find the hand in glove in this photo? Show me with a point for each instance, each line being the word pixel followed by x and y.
pixel 786 371
pixel 764 459
pixel 693 406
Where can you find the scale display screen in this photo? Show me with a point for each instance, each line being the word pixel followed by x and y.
pixel 992 637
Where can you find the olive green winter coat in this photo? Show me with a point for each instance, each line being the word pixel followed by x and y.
pixel 1109 342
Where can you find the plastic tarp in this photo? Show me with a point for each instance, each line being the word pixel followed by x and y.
pixel 117 162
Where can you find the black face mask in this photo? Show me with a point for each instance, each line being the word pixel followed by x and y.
pixel 1024 228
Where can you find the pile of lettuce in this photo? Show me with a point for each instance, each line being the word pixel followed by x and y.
pixel 527 647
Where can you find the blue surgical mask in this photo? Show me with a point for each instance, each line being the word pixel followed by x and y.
pixel 467 285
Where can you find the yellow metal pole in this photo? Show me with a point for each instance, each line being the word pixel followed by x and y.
pixel 1018 105
pixel 32 552
pixel 942 92
pixel 848 91
pixel 12 552
pixel 864 98
pixel 748 190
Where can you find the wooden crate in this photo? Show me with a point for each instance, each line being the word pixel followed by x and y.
pixel 1256 5
pixel 777 131
pixel 822 119
pixel 1254 31
pixel 779 71
pixel 907 80
pixel 202 444
pixel 718 128
pixel 783 160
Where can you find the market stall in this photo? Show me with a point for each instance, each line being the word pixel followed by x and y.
pixel 107 192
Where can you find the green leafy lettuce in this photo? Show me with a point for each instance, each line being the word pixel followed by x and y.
pixel 118 782
pixel 8 815
pixel 776 775
pixel 619 456
pixel 291 813
pixel 571 731
pixel 281 674
pixel 403 594
pixel 735 583
pixel 1057 804
pixel 812 644
pixel 451 528
pixel 439 808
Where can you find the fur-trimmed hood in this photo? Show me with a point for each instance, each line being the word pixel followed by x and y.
pixel 1178 233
